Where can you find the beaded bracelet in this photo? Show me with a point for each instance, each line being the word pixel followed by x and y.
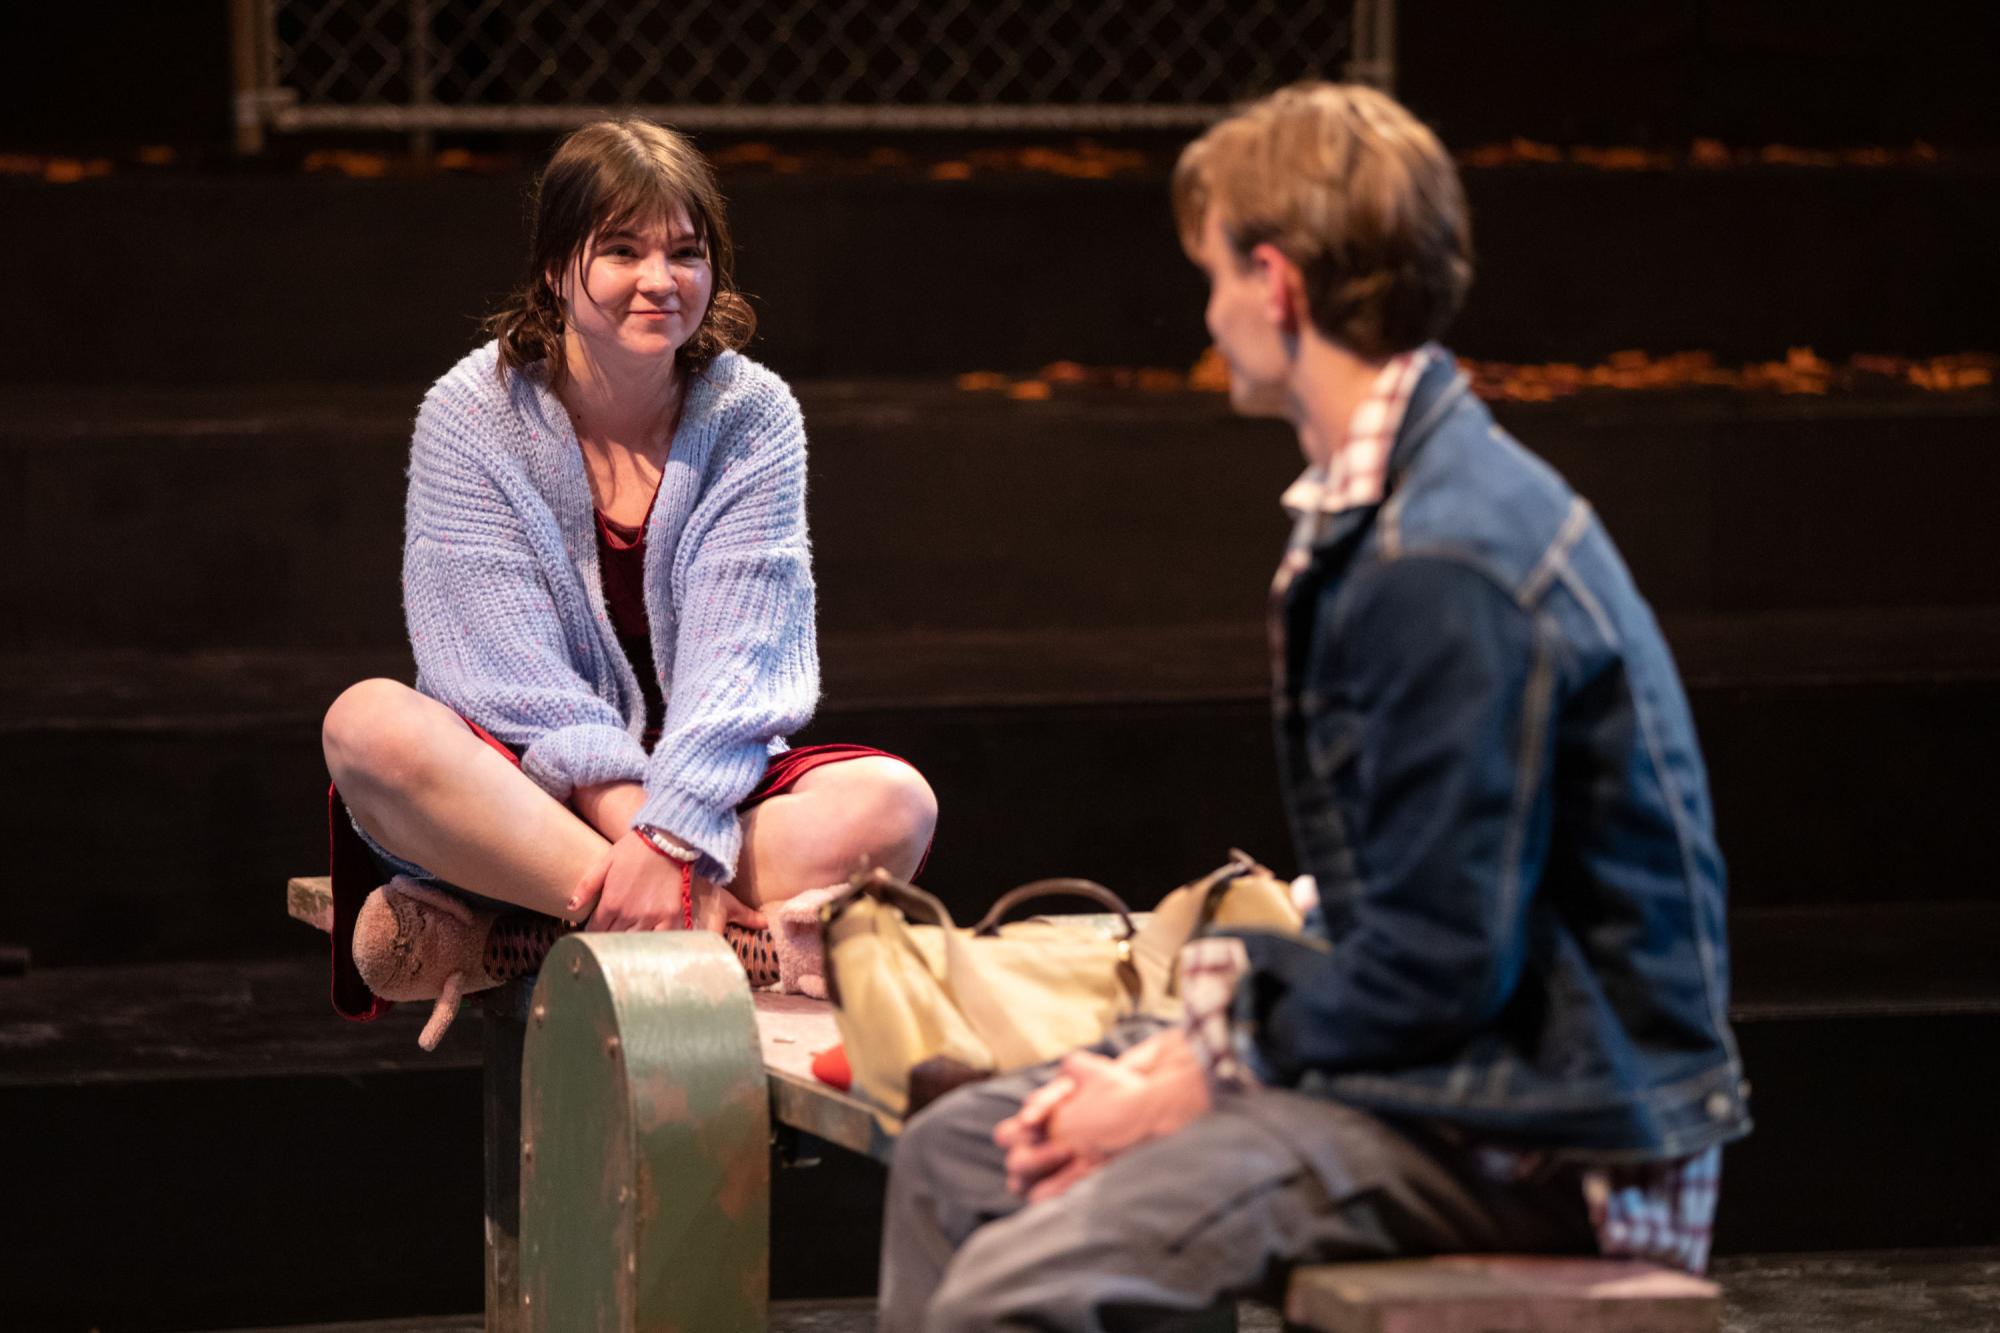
pixel 683 857
pixel 663 842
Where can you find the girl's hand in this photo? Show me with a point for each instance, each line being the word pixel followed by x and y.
pixel 633 887
pixel 715 907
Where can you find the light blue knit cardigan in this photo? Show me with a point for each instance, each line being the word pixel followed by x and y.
pixel 505 602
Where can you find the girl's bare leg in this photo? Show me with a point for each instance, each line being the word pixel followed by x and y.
pixel 428 789
pixel 874 810
pixel 432 792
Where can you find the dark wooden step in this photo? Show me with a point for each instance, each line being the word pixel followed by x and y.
pixel 271 1018
pixel 1006 270
pixel 271 520
pixel 1136 758
pixel 207 1145
pixel 1802 652
pixel 1876 959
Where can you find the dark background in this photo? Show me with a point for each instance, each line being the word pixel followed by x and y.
pixel 104 77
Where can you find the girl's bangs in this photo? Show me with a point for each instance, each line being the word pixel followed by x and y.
pixel 637 203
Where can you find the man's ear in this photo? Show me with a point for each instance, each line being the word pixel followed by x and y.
pixel 1284 287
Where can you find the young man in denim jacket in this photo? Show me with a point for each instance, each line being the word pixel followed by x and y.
pixel 1509 1031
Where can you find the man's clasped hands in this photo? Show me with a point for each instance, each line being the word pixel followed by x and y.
pixel 1096 1107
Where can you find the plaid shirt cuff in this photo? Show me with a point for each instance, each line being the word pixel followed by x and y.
pixel 1209 972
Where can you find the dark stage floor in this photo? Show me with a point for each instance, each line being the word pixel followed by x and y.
pixel 1895 1291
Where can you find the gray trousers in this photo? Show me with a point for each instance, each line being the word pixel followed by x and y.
pixel 1224 1208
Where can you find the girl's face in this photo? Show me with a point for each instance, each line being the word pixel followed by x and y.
pixel 639 292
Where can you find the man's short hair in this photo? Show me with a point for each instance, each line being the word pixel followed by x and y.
pixel 1352 188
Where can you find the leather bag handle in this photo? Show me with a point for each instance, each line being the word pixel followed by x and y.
pixel 1050 888
pixel 884 887
pixel 1240 863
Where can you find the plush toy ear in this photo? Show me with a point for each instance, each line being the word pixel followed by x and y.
pixel 801 950
pixel 443 1012
pixel 415 942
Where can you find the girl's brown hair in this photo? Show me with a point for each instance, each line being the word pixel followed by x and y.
pixel 1354 190
pixel 604 177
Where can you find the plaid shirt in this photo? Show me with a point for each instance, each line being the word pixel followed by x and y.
pixel 1655 1212
pixel 1358 469
pixel 1355 474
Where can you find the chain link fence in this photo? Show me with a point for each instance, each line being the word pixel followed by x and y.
pixel 1076 65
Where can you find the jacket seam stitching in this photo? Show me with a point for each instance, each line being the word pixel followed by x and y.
pixel 1556 556
pixel 1392 512
pixel 1591 606
pixel 1657 757
pixel 1528 767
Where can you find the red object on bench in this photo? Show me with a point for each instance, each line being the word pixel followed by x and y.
pixel 831 1068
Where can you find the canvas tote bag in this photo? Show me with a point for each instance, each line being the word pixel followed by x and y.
pixel 924 1005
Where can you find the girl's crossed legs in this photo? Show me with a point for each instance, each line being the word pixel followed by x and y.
pixel 425 786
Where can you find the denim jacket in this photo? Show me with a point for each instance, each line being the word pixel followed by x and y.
pixel 1490 766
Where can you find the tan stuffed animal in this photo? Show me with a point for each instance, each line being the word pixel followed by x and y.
pixel 416 942
pixel 799 942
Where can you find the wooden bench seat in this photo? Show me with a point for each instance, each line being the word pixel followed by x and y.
pixel 629 1118
pixel 590 1192
pixel 1501 1294
pixel 791 1029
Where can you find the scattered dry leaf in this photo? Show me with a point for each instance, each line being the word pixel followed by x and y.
pixel 68 170
pixel 744 154
pixel 461 159
pixel 1709 153
pixel 1802 371
pixel 1209 374
pixel 347 162
pixel 1784 155
pixel 1703 153
pixel 1621 159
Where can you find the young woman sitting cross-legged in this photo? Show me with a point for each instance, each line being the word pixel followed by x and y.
pixel 609 594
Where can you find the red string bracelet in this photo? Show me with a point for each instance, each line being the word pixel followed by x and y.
pixel 683 859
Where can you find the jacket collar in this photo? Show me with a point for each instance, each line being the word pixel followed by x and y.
pixel 1440 391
